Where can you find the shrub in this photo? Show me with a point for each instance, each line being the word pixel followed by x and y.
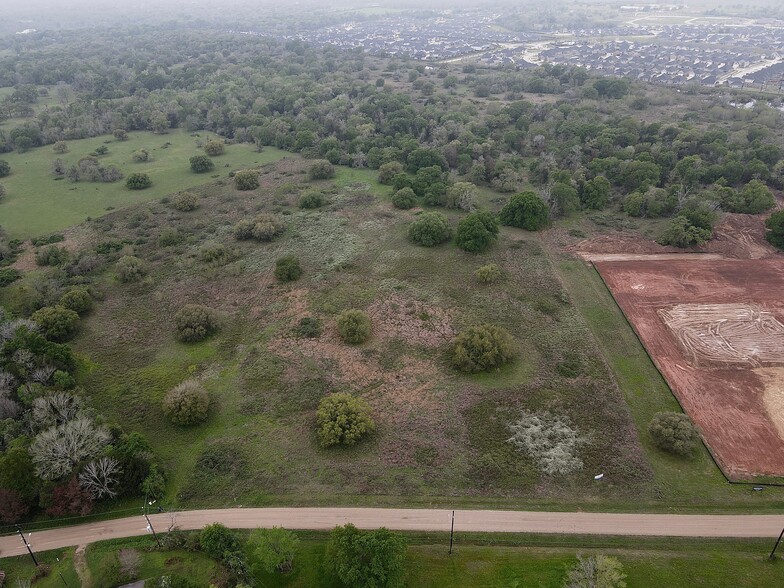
pixel 775 226
pixel 60 147
pixel 141 156
pixel 596 193
pixel 8 276
pixel 461 196
pixel 754 198
pixel 57 323
pixel 51 255
pixel 312 199
pixel 131 269
pixel 526 211
pixel 169 236
pixel 354 326
pixel 482 348
pixel 246 179
pixel 549 440
pixel 308 327
pixel 214 253
pixel 5 168
pixel 78 300
pixel 361 559
pixel 120 134
pixel 187 403
pixel 274 548
pixel 186 201
pixel 138 181
pixel 287 269
pixel 194 322
pixel 600 571
pixel 488 274
pixel 216 540
pixel 673 432
pixel 201 164
pixel 264 227
pixel 430 229
pixel 388 171
pixel 404 199
pixel 214 147
pixel 321 169
pixel 681 233
pixel 2 191
pixel 343 420
pixel 476 231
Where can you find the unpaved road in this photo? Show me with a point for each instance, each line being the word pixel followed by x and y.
pixel 576 523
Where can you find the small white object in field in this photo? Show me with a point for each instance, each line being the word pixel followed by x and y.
pixel 598 477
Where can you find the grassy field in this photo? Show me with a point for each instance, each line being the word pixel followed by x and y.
pixel 500 561
pixel 28 210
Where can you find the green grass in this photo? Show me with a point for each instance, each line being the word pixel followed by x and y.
pixel 679 481
pixel 36 203
pixel 21 568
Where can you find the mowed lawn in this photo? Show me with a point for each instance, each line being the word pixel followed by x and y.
pixel 37 203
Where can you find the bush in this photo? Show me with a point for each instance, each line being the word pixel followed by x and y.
pixel 274 548
pixel 194 322
pixel 354 326
pixel 131 269
pixel 187 403
pixel 8 276
pixel 78 300
pixel 216 540
pixel 138 181
pixel 754 198
pixel 169 236
pixel 404 199
pixel 2 191
pixel 120 134
pixel 775 226
pixel 185 201
pixel 681 233
pixel 321 169
pixel 488 274
pixel 215 254
pixel 60 147
pixel 308 327
pixel 595 193
pixel 246 179
pixel 214 147
pixel 51 256
pixel 549 440
pixel 476 231
pixel 362 559
pixel 141 156
pixel 388 171
pixel 312 199
pixel 461 196
pixel 343 420
pixel 525 211
pixel 673 432
pixel 482 348
pixel 57 323
pixel 287 269
pixel 201 164
pixel 430 229
pixel 5 168
pixel 264 227
pixel 601 571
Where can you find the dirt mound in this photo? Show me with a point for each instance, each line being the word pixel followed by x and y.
pixel 741 236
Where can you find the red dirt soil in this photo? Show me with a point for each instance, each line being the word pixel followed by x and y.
pixel 725 400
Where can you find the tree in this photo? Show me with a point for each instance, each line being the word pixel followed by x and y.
pixel 526 211
pixel 213 148
pixel 69 498
pixel 216 540
pixel 185 201
pixel 274 548
pixel 194 322
pixel 154 484
pixel 366 559
pixel 425 157
pixel 2 191
pixel 482 348
pixel 597 571
pixel 5 168
pixel 246 179
pixel 138 181
pixel 681 233
pixel 565 198
pixel 57 450
pixel 354 326
pixel 120 134
pixel 13 507
pixel 263 227
pixel 17 473
pixel 57 323
pixel 343 420
pixel 755 198
pixel 130 561
pixel 673 432
pixel 141 155
pixel 187 403
pixel 775 226
pixel 477 231
pixel 78 300
pixel 321 169
pixel 387 171
pixel 404 199
pixel 430 229
pixel 287 268
pixel 461 195
pixel 131 269
pixel 201 164
pixel 595 193
pixel 51 255
pixel 60 147
pixel 100 476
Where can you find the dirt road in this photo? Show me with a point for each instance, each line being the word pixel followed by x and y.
pixel 412 520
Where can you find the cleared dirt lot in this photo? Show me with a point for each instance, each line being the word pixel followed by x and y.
pixel 715 329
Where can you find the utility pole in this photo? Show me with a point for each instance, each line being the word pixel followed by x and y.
pixel 773 553
pixel 26 544
pixel 149 523
pixel 452 533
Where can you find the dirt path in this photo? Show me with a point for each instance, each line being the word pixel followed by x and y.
pixel 80 565
pixel 577 523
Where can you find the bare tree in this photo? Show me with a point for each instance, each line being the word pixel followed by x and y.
pixel 57 450
pixel 130 560
pixel 55 409
pixel 100 477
